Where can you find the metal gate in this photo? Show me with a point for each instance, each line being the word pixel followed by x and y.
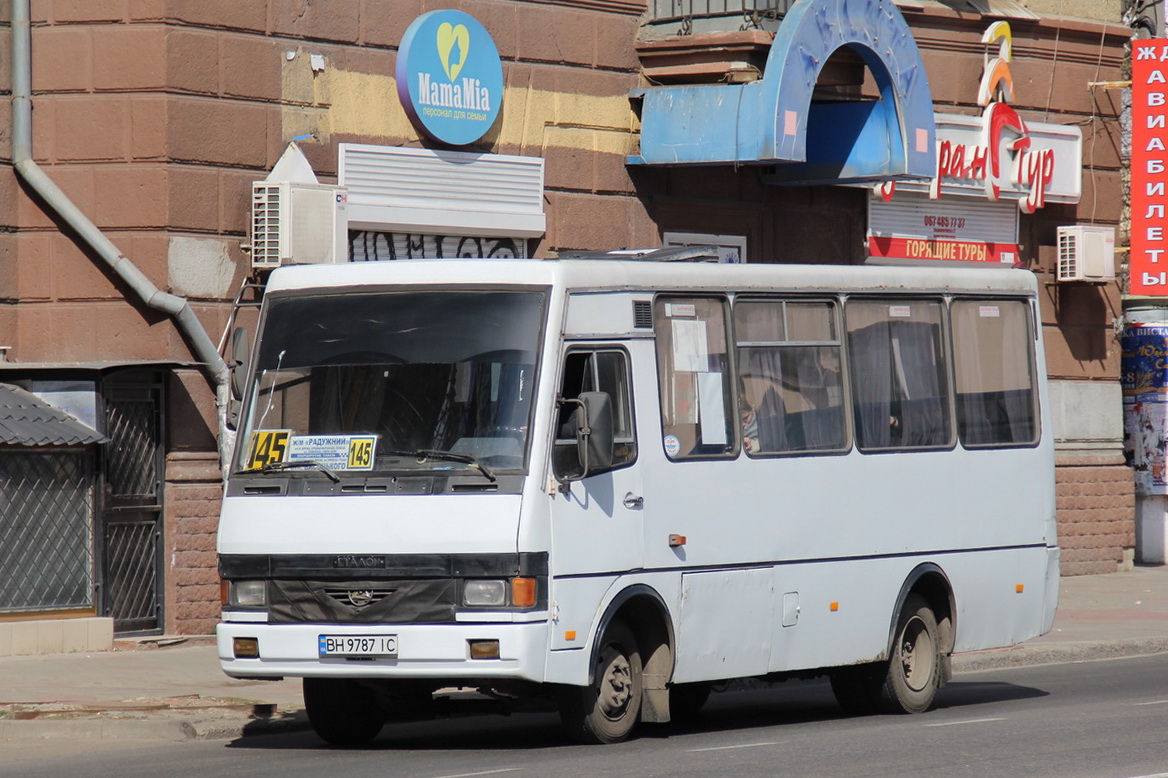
pixel 132 510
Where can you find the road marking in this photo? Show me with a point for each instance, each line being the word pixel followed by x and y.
pixel 729 748
pixel 484 772
pixel 1154 775
pixel 1154 702
pixel 967 721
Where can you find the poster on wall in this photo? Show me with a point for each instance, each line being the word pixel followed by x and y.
pixel 1144 379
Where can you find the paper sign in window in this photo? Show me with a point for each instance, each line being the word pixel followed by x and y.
pixel 711 409
pixel 690 352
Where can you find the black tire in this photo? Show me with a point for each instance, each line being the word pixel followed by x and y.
pixel 857 688
pixel 686 700
pixel 914 668
pixel 607 710
pixel 342 712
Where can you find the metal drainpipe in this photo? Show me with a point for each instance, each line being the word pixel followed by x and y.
pixel 177 307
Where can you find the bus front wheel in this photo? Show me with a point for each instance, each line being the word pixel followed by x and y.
pixel 606 710
pixel 341 711
pixel 914 668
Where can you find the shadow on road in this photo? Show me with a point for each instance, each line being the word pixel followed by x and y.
pixel 788 704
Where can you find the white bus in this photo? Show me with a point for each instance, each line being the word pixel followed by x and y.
pixel 606 486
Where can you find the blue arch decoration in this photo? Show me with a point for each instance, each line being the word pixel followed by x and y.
pixel 773 120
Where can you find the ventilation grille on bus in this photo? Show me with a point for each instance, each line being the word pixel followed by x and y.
pixel 643 314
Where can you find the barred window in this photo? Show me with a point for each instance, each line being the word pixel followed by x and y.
pixel 46 531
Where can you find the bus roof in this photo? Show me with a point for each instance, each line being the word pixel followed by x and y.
pixel 642 275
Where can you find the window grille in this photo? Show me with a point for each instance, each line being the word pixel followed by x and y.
pixel 46 531
pixel 749 14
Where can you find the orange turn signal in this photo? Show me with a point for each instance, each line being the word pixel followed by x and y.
pixel 523 592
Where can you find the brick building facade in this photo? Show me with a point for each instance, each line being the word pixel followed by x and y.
pixel 154 117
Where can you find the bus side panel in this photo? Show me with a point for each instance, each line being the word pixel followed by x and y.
pixel 844 609
pixel 579 605
pixel 725 624
pixel 575 613
pixel 1002 597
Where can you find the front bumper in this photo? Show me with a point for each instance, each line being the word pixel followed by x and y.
pixel 425 651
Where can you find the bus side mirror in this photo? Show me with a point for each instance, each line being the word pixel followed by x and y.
pixel 240 355
pixel 594 432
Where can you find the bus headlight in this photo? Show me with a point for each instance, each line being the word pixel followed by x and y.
pixel 248 594
pixel 514 592
pixel 485 593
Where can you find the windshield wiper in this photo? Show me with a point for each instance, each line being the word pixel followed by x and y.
pixel 449 456
pixel 272 467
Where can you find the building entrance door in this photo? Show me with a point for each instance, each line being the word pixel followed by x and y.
pixel 131 522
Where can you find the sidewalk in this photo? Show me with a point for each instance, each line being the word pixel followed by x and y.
pixel 172 688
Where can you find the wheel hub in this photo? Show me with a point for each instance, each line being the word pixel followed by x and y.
pixel 616 686
pixel 916 653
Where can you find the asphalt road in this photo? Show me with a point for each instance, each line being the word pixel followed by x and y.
pixel 1102 719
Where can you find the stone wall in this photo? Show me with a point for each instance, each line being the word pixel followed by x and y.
pixel 1096 506
pixel 193 493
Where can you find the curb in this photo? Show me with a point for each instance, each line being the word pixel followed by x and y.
pixel 1064 653
pixel 175 729
pixel 95 729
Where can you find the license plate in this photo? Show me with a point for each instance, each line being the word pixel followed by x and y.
pixel 357 645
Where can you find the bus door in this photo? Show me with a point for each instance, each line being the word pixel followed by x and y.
pixel 596 515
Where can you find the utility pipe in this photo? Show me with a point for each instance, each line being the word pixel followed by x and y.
pixel 59 203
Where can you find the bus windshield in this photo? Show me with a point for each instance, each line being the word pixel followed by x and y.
pixel 393 381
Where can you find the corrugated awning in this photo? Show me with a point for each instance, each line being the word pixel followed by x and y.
pixel 1010 9
pixel 27 420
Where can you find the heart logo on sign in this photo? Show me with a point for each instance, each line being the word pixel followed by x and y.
pixel 453 45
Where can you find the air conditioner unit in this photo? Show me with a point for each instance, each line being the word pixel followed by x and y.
pixel 298 224
pixel 1086 253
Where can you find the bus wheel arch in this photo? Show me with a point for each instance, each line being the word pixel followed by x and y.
pixel 929 581
pixel 920 643
pixel 637 614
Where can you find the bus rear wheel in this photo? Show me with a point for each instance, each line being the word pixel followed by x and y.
pixel 607 709
pixel 342 712
pixel 914 668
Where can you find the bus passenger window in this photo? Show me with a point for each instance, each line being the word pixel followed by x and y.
pixel 789 380
pixel 898 374
pixel 995 383
pixel 592 371
pixel 693 370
